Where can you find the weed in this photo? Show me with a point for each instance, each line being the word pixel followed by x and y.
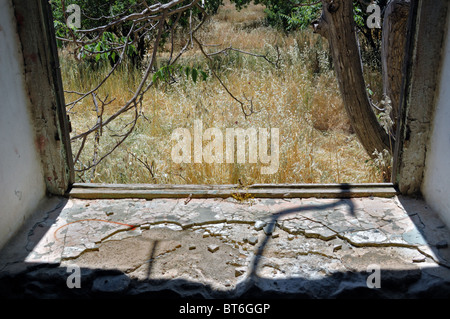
pixel 300 97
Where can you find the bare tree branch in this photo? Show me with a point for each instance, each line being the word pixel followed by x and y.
pixel 150 21
pixel 242 104
pixel 276 63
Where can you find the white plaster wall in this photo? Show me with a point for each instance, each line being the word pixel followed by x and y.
pixel 22 184
pixel 436 185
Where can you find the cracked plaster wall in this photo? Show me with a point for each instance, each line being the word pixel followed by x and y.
pixel 21 179
pixel 436 183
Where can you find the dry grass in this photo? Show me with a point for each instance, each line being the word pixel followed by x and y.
pixel 300 98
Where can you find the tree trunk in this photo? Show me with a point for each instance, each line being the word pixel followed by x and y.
pixel 393 51
pixel 338 26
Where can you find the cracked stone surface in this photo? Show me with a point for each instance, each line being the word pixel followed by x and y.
pixel 314 248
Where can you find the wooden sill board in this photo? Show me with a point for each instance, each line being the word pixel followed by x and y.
pixel 152 191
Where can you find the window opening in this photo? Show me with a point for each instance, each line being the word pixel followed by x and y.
pixel 198 92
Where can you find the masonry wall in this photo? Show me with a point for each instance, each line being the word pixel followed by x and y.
pixel 436 184
pixel 22 184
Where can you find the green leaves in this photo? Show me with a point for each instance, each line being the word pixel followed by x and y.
pixel 96 13
pixel 301 17
pixel 60 31
pixel 287 16
pixel 105 48
pixel 204 75
pixel 195 73
pixel 359 15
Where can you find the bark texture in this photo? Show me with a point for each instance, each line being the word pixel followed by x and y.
pixel 395 25
pixel 337 25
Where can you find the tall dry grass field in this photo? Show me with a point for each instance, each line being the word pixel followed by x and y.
pixel 300 98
